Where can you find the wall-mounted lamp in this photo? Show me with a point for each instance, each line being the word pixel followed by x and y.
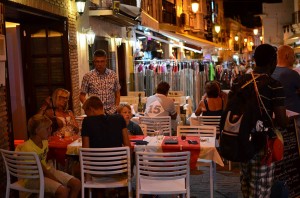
pixel 251 43
pixel 90 36
pixel 80 4
pixel 195 6
pixel 245 40
pixel 261 38
pixel 118 41
pixel 217 28
pixel 236 38
pixel 255 31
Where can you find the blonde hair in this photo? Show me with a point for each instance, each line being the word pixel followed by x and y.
pixel 55 96
pixel 122 106
pixel 38 121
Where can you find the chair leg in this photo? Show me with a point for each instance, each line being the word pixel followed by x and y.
pixel 82 192
pixel 90 193
pixel 211 180
pixel 7 191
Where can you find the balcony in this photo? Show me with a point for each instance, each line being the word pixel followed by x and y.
pixel 296 17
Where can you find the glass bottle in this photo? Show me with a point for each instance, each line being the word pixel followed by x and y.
pixel 140 105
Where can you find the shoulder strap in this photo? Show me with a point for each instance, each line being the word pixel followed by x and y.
pixel 206 104
pixel 260 100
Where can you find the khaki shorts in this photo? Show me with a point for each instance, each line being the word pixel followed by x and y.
pixel 51 186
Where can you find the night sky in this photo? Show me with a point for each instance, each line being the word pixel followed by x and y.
pixel 245 10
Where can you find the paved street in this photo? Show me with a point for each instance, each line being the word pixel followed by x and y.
pixel 227 183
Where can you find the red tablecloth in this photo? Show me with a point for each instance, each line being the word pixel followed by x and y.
pixel 58 148
pixel 184 146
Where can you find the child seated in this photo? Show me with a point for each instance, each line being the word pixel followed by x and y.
pixel 57 183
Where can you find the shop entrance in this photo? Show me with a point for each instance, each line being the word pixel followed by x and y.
pixel 38 62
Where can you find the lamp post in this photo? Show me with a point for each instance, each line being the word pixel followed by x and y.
pixel 195 6
pixel 80 4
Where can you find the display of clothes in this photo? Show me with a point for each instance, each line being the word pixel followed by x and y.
pixel 187 76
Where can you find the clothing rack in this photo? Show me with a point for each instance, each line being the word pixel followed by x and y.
pixel 188 76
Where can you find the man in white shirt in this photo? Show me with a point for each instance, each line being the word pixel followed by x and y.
pixel 160 105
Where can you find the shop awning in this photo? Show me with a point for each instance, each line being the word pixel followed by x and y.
pixel 126 16
pixel 193 40
pixel 166 41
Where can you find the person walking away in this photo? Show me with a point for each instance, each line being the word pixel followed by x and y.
pixel 288 77
pixel 256 176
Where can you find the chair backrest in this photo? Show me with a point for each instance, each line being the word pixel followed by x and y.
pixel 129 99
pixel 181 100
pixel 162 166
pixel 211 121
pixel 201 131
pixel 136 93
pixel 144 128
pixel 175 93
pixel 23 165
pixel 105 161
pixel 164 123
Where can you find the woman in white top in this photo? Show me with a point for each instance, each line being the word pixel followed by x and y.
pixel 56 108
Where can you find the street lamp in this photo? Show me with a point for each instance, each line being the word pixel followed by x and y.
pixel 236 38
pixel 80 4
pixel 255 31
pixel 217 28
pixel 195 6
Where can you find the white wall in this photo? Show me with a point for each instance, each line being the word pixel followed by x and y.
pixel 275 16
pixel 15 71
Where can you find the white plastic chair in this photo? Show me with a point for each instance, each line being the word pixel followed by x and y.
pixel 212 121
pixel 162 173
pixel 136 93
pixel 106 167
pixel 22 165
pixel 175 93
pixel 144 129
pixel 152 123
pixel 201 131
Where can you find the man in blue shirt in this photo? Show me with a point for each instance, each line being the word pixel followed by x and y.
pixel 288 77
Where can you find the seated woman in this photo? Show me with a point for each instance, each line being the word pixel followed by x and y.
pixel 125 111
pixel 56 108
pixel 212 104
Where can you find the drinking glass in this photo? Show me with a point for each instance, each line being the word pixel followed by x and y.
pixel 183 137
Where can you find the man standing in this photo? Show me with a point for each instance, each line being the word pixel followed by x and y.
pixel 101 82
pixel 257 177
pixel 289 78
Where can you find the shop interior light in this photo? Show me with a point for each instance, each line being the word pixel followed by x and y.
pixel 80 4
pixel 217 28
pixel 255 31
pixel 245 40
pixel 195 6
pixel 251 43
pixel 261 38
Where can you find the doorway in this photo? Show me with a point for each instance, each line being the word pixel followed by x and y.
pixel 38 62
